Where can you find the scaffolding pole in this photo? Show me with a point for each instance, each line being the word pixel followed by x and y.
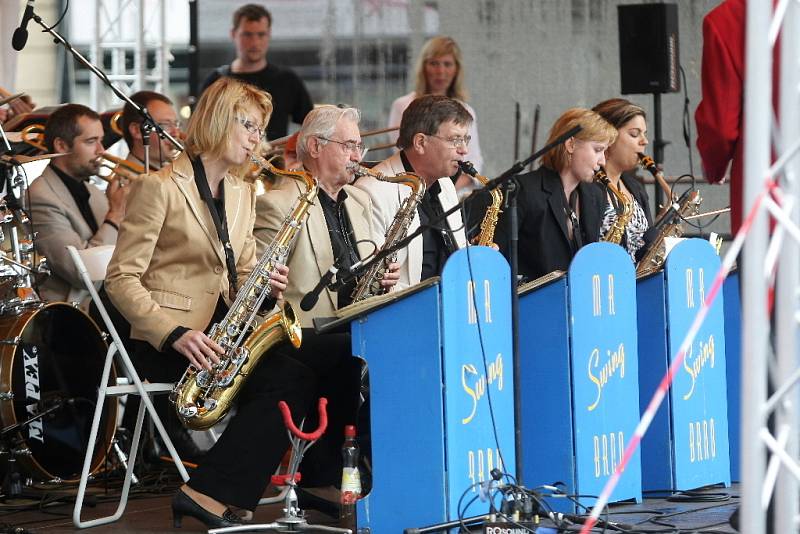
pixel 769 462
pixel 129 32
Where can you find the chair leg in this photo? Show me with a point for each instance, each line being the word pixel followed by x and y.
pixel 87 461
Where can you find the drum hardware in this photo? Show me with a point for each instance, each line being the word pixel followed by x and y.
pixel 6 395
pixel 13 341
pixel 10 445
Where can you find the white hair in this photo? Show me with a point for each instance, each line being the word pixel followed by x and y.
pixel 321 122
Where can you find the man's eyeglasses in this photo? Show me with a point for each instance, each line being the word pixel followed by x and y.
pixel 455 142
pixel 251 127
pixel 170 125
pixel 348 146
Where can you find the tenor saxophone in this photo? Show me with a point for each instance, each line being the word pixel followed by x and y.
pixel 669 225
pixel 369 284
pixel 492 215
pixel 617 230
pixel 203 397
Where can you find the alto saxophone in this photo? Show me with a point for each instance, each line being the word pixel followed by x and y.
pixel 617 230
pixel 202 397
pixel 489 222
pixel 669 225
pixel 369 284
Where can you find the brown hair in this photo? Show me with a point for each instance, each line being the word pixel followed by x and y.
pixel 131 116
pixel 426 113
pixel 251 12
pixel 618 111
pixel 594 128
pixel 217 113
pixel 437 47
pixel 63 124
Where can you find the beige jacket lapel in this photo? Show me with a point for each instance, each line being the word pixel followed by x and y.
pixel 183 177
pixel 320 241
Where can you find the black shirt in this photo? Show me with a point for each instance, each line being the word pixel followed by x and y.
pixel 289 95
pixel 436 245
pixel 77 189
pixel 342 239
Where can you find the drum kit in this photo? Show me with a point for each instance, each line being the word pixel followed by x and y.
pixel 51 357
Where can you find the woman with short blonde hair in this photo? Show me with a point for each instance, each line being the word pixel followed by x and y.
pixel 184 248
pixel 559 208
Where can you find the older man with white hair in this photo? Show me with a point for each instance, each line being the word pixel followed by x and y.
pixel 338 229
pixel 339 225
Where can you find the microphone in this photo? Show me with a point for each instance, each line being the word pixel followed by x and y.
pixel 20 36
pixel 310 299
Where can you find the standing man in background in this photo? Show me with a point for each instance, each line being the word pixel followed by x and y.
pixel 252 27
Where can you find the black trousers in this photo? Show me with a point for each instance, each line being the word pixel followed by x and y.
pixel 237 469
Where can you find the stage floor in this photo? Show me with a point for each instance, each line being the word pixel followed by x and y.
pixel 49 510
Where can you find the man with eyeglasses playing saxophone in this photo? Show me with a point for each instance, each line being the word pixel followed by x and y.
pixel 338 230
pixel 432 140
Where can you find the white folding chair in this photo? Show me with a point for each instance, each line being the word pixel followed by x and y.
pixel 137 388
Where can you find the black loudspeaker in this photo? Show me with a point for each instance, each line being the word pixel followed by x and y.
pixel 648 48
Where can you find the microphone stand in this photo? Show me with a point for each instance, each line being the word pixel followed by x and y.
pixel 146 118
pixel 504 180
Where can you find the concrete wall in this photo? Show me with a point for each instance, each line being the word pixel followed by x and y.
pixel 560 54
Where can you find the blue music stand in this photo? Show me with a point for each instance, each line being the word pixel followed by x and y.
pixel 686 446
pixel 432 430
pixel 578 351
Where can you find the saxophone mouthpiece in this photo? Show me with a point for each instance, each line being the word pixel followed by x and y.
pixel 467 167
pixel 648 163
pixel 360 170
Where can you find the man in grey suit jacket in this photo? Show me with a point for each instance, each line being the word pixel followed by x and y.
pixel 433 139
pixel 65 208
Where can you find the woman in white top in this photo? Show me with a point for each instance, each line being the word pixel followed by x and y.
pixel 439 72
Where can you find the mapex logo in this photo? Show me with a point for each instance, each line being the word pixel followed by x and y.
pixel 505 530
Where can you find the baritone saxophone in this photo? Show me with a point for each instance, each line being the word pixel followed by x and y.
pixel 202 397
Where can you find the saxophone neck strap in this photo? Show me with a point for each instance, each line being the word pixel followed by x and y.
pixel 219 217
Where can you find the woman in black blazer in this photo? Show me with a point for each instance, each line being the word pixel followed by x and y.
pixel 622 157
pixel 559 209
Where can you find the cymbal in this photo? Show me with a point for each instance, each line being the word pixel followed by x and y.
pixel 11 98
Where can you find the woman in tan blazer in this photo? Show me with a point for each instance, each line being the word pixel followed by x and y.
pixel 171 275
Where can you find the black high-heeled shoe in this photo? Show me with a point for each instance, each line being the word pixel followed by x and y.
pixel 183 505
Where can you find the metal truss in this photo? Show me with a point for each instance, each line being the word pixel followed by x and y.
pixel 770 461
pixel 126 29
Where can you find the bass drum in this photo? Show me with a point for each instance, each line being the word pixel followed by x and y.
pixel 53 356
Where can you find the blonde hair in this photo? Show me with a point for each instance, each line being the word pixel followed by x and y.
pixel 437 47
pixel 218 111
pixel 594 128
